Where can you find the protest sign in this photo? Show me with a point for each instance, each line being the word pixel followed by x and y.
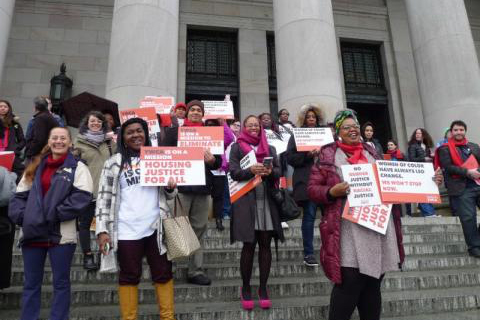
pixel 308 139
pixel 147 114
pixel 210 138
pixel 218 109
pixel 363 185
pixel 162 105
pixel 185 165
pixel 240 188
pixel 372 217
pixel 471 163
pixel 6 159
pixel 406 182
pixel 277 141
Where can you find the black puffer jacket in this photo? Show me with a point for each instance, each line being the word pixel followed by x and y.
pixel 302 163
pixel 416 152
pixel 16 143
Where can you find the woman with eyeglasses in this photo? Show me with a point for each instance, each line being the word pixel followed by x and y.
pixel 255 218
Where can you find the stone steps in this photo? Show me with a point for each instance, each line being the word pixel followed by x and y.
pixel 227 290
pixel 402 303
pixel 439 280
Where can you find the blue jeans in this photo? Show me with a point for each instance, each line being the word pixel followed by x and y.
pixel 427 209
pixel 308 223
pixel 466 209
pixel 33 264
pixel 227 206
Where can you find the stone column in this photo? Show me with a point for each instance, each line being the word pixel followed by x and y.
pixel 6 14
pixel 253 71
pixel 308 67
pixel 143 51
pixel 447 65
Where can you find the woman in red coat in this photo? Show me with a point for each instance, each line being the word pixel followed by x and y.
pixel 353 257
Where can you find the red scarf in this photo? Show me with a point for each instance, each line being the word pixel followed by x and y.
pixel 397 154
pixel 355 152
pixel 188 123
pixel 452 144
pixel 51 166
pixel 4 141
pixel 246 141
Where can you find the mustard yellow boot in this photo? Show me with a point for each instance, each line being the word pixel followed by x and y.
pixel 165 300
pixel 128 296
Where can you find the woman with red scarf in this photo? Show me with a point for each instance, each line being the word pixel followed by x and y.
pixel 394 152
pixel 255 218
pixel 353 257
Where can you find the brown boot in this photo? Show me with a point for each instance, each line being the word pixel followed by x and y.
pixel 165 300
pixel 128 296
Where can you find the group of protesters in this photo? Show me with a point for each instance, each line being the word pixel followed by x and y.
pixel 68 183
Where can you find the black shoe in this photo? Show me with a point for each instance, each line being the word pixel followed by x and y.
pixel 474 252
pixel 201 280
pixel 310 261
pixel 220 226
pixel 89 262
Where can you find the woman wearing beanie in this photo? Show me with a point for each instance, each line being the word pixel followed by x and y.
pixel 195 199
pixel 54 191
pixel 94 146
pixel 132 233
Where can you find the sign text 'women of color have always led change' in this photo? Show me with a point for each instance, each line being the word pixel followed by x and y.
pixel 185 165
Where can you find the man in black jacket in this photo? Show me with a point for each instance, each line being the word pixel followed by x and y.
pixel 459 158
pixel 195 199
pixel 43 122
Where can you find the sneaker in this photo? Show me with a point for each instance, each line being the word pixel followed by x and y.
pixel 201 280
pixel 310 261
pixel 285 225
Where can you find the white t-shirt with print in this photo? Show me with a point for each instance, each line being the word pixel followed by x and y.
pixel 139 205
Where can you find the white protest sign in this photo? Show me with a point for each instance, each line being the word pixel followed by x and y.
pixel 363 185
pixel 308 139
pixel 218 109
pixel 407 182
pixel 185 165
pixel 277 141
pixel 240 188
pixel 372 217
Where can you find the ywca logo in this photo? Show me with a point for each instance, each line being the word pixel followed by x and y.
pixel 433 198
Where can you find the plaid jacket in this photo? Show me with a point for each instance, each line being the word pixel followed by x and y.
pixel 108 202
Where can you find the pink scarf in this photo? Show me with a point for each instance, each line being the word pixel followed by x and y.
pixel 246 141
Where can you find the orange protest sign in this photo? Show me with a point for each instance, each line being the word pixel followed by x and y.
pixel 147 114
pixel 185 165
pixel 6 159
pixel 372 217
pixel 471 163
pixel 239 188
pixel 406 182
pixel 162 105
pixel 210 138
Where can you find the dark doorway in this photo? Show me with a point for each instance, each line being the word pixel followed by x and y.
pixel 212 65
pixel 376 114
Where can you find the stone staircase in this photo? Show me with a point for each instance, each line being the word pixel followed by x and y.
pixel 439 281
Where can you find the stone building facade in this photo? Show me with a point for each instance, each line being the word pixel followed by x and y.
pixel 401 63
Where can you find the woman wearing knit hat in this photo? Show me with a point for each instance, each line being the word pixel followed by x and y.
pixel 195 199
pixel 179 112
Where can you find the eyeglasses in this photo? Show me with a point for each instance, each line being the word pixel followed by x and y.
pixel 252 126
pixel 285 114
pixel 348 128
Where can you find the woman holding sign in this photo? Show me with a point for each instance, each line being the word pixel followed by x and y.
pixel 255 218
pixel 131 233
pixel 353 257
pixel 310 116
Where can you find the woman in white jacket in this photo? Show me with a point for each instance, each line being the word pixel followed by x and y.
pixel 129 219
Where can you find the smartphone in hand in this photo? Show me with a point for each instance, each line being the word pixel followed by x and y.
pixel 268 162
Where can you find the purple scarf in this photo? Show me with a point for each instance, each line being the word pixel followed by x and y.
pixel 246 140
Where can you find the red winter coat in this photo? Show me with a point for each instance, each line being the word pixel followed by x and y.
pixel 322 178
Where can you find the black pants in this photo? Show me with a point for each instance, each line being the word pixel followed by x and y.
pixel 84 222
pixel 356 290
pixel 218 190
pixel 6 247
